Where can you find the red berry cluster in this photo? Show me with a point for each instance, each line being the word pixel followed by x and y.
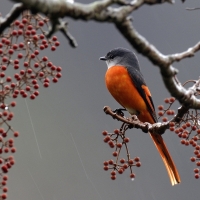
pixel 117 140
pixel 188 129
pixel 22 70
pixel 167 111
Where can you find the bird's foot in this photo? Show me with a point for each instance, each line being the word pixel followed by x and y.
pixel 119 112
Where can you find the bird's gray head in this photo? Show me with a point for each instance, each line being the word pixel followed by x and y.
pixel 121 56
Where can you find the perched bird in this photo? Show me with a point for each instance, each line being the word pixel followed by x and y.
pixel 126 84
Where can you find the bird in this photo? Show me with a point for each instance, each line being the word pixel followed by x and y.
pixel 126 84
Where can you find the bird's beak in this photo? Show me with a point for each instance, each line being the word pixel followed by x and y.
pixel 103 58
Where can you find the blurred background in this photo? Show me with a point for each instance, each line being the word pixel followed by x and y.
pixel 60 151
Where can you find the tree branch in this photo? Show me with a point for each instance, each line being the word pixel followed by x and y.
pixel 103 11
pixel 158 128
pixel 11 16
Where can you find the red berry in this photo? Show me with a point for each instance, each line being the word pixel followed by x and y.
pixel 36 93
pixel 4 196
pixel 137 159
pixel 16 22
pixel 53 67
pixel 132 175
pixel 2 74
pixel 21 44
pixel 115 154
pixel 42 47
pixel 55 80
pixel 113 177
pixel 182 141
pixel 27 88
pixel 164 119
pixel 5 189
pixel 4 182
pixel 45 58
pixel 54 38
pixel 193 159
pixel 58 75
pixel 198 163
pixel 59 69
pixel 172 99
pixel 3 40
pixel 196 170
pixel 4 59
pixel 46 84
pixel 160 113
pixel 113 173
pixel 122 160
pixel 53 48
pixel 16 134
pixel 49 64
pixel 119 145
pixel 194 128
pixel 125 166
pixel 105 168
pixel 41 36
pixel 138 164
pixel 32 96
pixel 20 55
pixel 104 133
pixel 13 150
pixel 12 85
pixel 28 32
pixel 5 170
pixel 41 23
pixel 20 32
pixel 120 171
pixel 111 162
pixel 126 140
pixel 14 32
pixel 166 100
pixel 29 71
pixel 6 150
pixel 196 176
pixel 22 72
pixel 57 43
pixel 36 86
pixel 34 81
pixel 36 65
pixel 105 163
pixel 33 32
pixel 26 64
pixel 10 51
pixel 24 20
pixel 7 42
pixel 5 178
pixel 130 162
pixel 3 67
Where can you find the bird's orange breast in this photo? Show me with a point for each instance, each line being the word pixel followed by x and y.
pixel 122 88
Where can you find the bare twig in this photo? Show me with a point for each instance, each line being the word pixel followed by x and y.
pixel 11 16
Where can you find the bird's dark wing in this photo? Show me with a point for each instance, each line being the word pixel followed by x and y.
pixel 139 82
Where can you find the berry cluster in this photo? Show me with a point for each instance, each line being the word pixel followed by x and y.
pixel 188 129
pixel 22 71
pixel 117 140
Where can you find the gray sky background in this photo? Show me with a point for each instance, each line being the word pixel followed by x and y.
pixel 68 117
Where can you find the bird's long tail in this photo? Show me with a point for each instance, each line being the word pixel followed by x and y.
pixel 167 159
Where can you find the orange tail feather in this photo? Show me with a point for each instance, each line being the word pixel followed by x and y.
pixel 167 159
